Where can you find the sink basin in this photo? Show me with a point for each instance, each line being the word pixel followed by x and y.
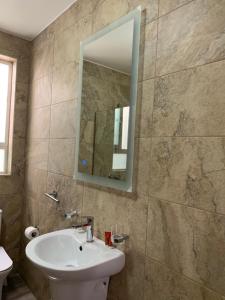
pixel 74 266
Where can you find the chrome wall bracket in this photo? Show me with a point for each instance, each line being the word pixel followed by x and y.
pixel 53 196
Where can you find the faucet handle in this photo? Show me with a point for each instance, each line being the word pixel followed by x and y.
pixel 72 213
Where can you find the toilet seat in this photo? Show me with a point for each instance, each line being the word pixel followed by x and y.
pixel 5 261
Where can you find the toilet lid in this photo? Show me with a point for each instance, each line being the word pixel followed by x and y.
pixel 5 260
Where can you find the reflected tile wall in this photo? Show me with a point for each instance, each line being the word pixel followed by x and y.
pixel 176 217
pixel 11 187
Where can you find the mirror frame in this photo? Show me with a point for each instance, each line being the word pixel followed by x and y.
pixel 125 185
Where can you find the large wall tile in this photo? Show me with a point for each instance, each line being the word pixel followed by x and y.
pixel 189 241
pixel 18 157
pixel 189 171
pixel 31 212
pixel 35 182
pixel 70 16
pixel 198 39
pixel 170 236
pixel 44 41
pixel 107 12
pixel 39 123
pixel 65 46
pixel 129 284
pixel 23 70
pixel 37 153
pixel 23 63
pixel 162 284
pixel 40 92
pixel 209 246
pixel 20 112
pixel 148 60
pixel 142 167
pixel 63 120
pixel 145 108
pixel 81 9
pixel 61 156
pixel 11 184
pixel 67 42
pixel 191 102
pixel 138 211
pixel 83 29
pixel 36 186
pixel 42 60
pixel 65 83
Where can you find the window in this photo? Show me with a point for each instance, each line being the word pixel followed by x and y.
pixel 125 127
pixel 7 92
pixel 121 128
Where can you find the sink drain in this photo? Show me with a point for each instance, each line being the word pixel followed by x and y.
pixel 70 266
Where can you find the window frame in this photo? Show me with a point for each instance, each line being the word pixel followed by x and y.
pixel 7 145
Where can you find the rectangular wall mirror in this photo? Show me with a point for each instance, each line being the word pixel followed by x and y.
pixel 107 104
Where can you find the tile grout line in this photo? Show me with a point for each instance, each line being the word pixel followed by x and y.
pixel 173 10
pixel 147 217
pixel 50 119
pixel 182 70
pixel 169 202
pixel 53 104
pixel 150 155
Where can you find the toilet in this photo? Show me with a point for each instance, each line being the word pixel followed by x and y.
pixel 6 263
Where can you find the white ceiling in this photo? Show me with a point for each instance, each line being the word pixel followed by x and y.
pixel 27 18
pixel 113 50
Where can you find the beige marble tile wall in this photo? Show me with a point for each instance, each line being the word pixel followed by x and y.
pixel 176 219
pixel 11 187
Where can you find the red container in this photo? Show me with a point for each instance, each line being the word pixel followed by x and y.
pixel 108 238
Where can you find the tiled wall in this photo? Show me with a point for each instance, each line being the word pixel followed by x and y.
pixel 11 187
pixel 176 220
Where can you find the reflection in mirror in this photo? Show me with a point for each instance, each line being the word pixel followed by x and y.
pixel 105 138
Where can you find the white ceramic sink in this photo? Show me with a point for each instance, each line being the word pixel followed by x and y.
pixel 65 256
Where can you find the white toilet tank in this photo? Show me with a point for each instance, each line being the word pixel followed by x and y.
pixel 0 222
pixel 5 262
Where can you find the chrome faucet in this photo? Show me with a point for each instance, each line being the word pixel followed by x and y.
pixel 89 225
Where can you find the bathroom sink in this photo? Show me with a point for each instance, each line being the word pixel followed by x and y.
pixel 65 255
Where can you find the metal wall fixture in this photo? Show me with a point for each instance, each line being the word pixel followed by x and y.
pixel 53 195
pixel 71 214
pixel 119 238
